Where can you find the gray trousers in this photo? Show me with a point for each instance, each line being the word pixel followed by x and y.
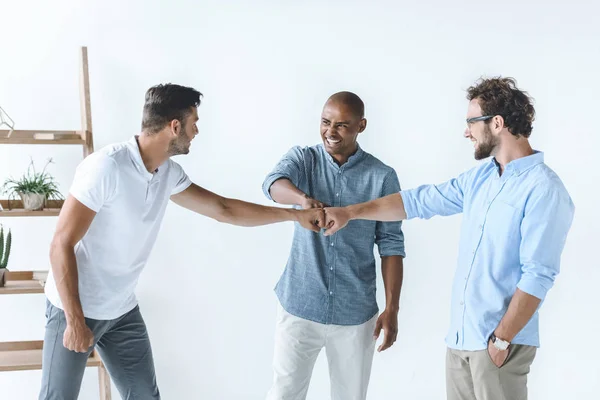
pixel 471 375
pixel 125 349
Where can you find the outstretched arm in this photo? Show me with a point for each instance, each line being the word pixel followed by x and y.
pixel 422 202
pixel 238 212
pixel 387 208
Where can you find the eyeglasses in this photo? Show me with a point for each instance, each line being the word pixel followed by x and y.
pixel 471 121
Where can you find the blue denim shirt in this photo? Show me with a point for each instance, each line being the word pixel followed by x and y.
pixel 513 232
pixel 332 280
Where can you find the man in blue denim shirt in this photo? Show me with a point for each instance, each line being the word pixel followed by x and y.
pixel 516 216
pixel 327 291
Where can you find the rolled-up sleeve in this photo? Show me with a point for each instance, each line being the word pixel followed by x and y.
pixel 291 167
pixel 444 199
pixel 544 228
pixel 388 235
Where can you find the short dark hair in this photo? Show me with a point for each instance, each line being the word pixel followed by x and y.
pixel 166 102
pixel 352 101
pixel 500 96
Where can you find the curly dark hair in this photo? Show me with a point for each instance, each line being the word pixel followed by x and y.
pixel 166 102
pixel 500 96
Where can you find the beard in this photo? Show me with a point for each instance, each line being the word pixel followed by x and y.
pixel 487 145
pixel 179 145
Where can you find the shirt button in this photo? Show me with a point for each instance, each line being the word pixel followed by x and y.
pixel 337 194
pixel 331 293
pixel 331 268
pixel 480 226
pixel 462 303
pixel 332 243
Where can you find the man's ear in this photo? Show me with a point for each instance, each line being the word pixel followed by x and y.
pixel 175 127
pixel 362 125
pixel 497 123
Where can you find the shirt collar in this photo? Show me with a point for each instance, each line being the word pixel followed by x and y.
pixel 522 164
pixel 353 159
pixel 136 157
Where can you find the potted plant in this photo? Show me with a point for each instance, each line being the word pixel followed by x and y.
pixel 34 188
pixel 4 253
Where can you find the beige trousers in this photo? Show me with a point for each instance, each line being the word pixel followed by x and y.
pixel 471 375
pixel 298 343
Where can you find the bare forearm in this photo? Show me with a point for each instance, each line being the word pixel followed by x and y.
pixel 241 213
pixel 64 269
pixel 388 208
pixel 392 272
pixel 520 310
pixel 283 191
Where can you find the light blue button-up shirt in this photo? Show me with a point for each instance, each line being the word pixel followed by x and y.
pixel 513 232
pixel 332 280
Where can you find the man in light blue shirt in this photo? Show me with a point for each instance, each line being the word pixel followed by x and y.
pixel 516 216
pixel 327 290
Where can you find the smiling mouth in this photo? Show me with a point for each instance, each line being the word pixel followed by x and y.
pixel 332 142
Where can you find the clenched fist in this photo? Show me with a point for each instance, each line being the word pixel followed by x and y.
pixel 78 337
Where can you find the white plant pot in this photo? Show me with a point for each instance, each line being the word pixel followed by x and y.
pixel 33 201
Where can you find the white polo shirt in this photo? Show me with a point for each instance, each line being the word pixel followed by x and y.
pixel 130 203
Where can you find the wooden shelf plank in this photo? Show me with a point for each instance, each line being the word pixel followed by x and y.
pixel 24 282
pixel 48 212
pixel 31 137
pixel 25 356
pixel 14 208
pixel 22 287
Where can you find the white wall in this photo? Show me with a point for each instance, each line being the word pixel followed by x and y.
pixel 266 70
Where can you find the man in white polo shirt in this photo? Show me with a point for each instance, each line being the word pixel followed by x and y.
pixel 104 235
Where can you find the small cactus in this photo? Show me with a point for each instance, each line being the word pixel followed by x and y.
pixel 4 247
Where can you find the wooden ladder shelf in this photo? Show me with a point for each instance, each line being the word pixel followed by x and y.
pixel 27 355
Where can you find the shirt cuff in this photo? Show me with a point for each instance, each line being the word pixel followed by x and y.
pixel 85 200
pixel 392 252
pixel 409 203
pixel 534 287
pixel 182 186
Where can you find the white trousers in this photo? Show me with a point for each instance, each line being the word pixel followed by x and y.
pixel 298 342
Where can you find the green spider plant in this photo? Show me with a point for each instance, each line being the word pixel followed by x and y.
pixel 33 182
